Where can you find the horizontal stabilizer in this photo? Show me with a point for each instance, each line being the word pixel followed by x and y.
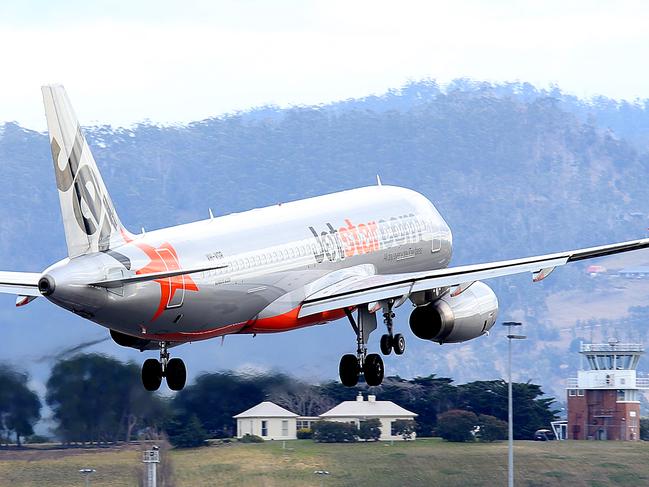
pixel 154 275
pixel 19 283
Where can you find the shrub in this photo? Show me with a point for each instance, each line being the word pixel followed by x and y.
pixel 37 439
pixel 304 434
pixel 404 427
pixel 456 425
pixel 492 428
pixel 334 432
pixel 248 438
pixel 370 429
pixel 644 429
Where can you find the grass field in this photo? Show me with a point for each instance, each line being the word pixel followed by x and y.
pixel 424 462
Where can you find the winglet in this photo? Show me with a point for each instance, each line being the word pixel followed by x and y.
pixel 378 180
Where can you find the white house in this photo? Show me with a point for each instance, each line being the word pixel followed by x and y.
pixel 359 410
pixel 267 420
pixel 272 422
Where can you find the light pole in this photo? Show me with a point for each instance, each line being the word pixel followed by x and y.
pixel 87 472
pixel 321 474
pixel 510 413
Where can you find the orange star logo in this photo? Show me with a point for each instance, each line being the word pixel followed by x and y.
pixel 162 259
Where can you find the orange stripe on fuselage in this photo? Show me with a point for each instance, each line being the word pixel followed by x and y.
pixel 290 321
pixel 272 324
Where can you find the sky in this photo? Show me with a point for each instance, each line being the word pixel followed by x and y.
pixel 174 62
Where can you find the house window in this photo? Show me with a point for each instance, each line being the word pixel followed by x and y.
pixel 284 428
pixel 264 428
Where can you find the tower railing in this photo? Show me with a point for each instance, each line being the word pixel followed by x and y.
pixel 615 347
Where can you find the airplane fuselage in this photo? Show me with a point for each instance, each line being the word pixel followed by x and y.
pixel 273 258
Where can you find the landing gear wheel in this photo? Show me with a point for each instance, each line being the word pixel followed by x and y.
pixel 151 374
pixel 176 374
pixel 386 344
pixel 399 344
pixel 349 370
pixel 373 369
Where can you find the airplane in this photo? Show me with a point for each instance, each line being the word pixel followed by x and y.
pixel 353 254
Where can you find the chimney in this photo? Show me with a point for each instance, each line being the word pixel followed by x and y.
pixel 359 398
pixel 371 398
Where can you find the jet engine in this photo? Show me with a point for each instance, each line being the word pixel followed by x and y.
pixel 456 319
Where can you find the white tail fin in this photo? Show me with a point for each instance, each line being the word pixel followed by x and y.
pixel 89 218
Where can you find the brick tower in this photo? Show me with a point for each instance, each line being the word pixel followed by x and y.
pixel 603 400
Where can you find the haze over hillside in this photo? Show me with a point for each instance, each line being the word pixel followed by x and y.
pixel 514 170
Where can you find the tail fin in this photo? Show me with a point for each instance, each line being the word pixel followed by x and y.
pixel 89 218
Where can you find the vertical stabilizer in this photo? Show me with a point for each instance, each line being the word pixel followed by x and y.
pixel 89 218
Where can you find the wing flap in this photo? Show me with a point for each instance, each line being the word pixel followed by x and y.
pixel 381 287
pixel 19 283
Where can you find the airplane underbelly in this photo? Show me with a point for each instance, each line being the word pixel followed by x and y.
pixel 214 309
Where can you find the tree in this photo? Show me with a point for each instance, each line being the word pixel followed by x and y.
pixel 491 428
pixel 456 425
pixel 99 399
pixel 405 428
pixel 189 434
pixel 216 398
pixel 303 399
pixel 370 429
pixel 19 406
pixel 531 410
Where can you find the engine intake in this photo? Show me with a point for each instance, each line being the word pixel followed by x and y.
pixel 456 319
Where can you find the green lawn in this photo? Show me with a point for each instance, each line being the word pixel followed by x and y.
pixel 424 462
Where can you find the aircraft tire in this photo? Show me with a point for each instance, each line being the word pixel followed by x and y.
pixel 373 369
pixel 151 374
pixel 176 374
pixel 349 370
pixel 399 344
pixel 386 344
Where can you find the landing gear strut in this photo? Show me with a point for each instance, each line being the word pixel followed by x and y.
pixel 371 366
pixel 172 369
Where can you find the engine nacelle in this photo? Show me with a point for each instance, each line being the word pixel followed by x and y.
pixel 456 319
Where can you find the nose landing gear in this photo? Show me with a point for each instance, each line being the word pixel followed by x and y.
pixel 389 341
pixel 173 370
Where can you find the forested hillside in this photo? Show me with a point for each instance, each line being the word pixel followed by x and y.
pixel 514 170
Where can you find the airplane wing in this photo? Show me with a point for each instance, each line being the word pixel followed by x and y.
pixel 375 288
pixel 19 283
pixel 153 276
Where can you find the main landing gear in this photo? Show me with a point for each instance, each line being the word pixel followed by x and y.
pixel 172 369
pixel 371 366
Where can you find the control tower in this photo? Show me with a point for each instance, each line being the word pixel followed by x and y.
pixel 603 400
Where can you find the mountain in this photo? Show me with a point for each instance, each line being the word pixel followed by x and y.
pixel 515 171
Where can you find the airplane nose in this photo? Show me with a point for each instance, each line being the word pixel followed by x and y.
pixel 46 285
